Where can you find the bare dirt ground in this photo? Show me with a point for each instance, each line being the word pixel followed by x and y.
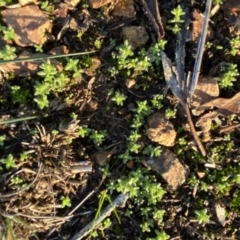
pixel 82 133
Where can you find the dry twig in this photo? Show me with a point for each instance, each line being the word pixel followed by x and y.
pixel 151 8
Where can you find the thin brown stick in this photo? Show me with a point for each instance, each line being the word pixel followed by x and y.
pixel 193 131
pixel 157 25
pixel 229 128
pixel 81 203
pixel 159 20
pixel 189 118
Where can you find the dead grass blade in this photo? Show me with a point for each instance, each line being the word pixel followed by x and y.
pixel 19 60
pixel 171 79
pixel 10 231
pixel 9 121
pixel 151 8
pixel 18 220
pixel 198 61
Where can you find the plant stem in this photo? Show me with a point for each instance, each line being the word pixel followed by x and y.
pixel 193 131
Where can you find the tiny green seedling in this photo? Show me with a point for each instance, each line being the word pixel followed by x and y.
pixel 134 147
pixel 161 235
pixel 119 98
pixel 125 156
pixel 98 43
pixel 16 180
pixel 107 223
pixel 84 131
pixel 44 5
pixel 8 33
pixel 98 136
pixel 219 47
pixel 228 75
pixel 19 95
pixel 235 45
pixel 152 151
pixel 170 113
pixel 215 2
pixel 177 20
pixel 23 156
pixel 143 108
pixel 4 3
pixel 69 140
pixel 66 201
pixel 38 48
pixel 125 50
pixel 2 139
pixel 8 53
pixel 182 141
pixel 154 53
pixel 55 132
pixel 48 70
pixel 134 136
pixel 208 45
pixel 42 101
pixel 72 65
pixel 9 161
pixel 202 216
pixel 157 101
pixel 74 115
pixel 133 144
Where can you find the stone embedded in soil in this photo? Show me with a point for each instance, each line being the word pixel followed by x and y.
pixel 201 174
pixel 92 106
pixel 197 26
pixel 61 49
pixel 124 8
pixel 225 107
pixel 97 3
pixel 72 3
pixel 25 68
pixel 61 11
pixel 130 83
pixel 221 213
pixel 27 2
pixel 136 35
pixel 169 167
pixel 161 130
pixel 30 25
pixel 206 90
pixel 102 158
